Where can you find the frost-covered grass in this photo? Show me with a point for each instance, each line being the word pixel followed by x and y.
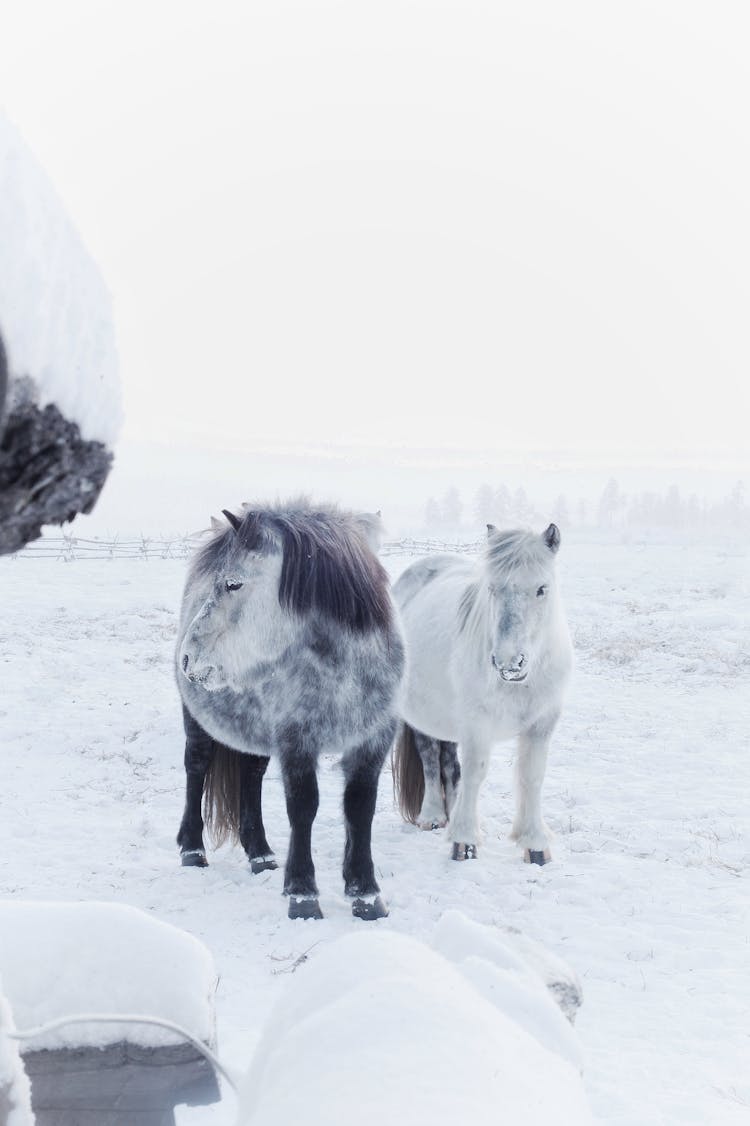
pixel 646 790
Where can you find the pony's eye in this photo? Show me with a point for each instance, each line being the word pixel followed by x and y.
pixel 231 585
pixel 541 592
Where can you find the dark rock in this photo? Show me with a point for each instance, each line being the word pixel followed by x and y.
pixel 48 472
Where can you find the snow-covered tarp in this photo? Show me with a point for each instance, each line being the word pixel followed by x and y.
pixel 65 959
pixel 378 1020
pixel 60 405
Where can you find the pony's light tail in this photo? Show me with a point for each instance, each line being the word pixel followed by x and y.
pixel 221 795
pixel 408 776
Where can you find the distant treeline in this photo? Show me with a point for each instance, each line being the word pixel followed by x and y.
pixel 613 509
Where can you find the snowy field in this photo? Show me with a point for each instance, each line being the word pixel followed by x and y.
pixel 647 793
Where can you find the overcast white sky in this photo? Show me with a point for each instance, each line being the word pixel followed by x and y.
pixel 516 226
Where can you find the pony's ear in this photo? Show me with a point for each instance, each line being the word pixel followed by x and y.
pixel 216 525
pixel 372 527
pixel 233 520
pixel 552 537
pixel 490 529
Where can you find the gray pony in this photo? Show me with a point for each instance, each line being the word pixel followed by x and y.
pixel 289 645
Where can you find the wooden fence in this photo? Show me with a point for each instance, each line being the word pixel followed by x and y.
pixel 69 548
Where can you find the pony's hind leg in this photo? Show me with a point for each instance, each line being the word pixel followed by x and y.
pixel 529 829
pixel 362 772
pixel 199 750
pixel 301 789
pixel 450 773
pixel 464 822
pixel 252 831
pixel 433 814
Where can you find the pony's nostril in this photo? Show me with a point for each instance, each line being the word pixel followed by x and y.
pixel 185 663
pixel 521 660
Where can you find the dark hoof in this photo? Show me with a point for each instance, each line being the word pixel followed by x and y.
pixel 194 858
pixel 371 908
pixel 534 856
pixel 262 864
pixel 304 907
pixel 464 851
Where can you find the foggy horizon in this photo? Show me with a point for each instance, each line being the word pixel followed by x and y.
pixel 426 226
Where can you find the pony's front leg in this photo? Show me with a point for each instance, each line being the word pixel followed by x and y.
pixel 252 830
pixel 362 772
pixel 301 789
pixel 199 750
pixel 529 829
pixel 463 828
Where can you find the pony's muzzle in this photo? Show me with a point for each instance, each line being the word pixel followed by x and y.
pixel 515 669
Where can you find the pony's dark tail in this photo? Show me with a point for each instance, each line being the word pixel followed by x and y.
pixel 408 776
pixel 221 795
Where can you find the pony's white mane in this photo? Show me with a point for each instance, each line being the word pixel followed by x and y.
pixel 507 554
pixel 515 550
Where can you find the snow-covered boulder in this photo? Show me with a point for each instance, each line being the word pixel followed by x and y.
pixel 62 960
pixel 15 1092
pixel 459 938
pixel 378 1024
pixel 560 978
pixel 513 976
pixel 59 391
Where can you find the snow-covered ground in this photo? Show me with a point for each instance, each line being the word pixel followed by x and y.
pixel 647 791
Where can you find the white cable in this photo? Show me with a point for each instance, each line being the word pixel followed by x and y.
pixel 89 1018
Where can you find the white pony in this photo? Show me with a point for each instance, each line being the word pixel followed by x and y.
pixel 489 657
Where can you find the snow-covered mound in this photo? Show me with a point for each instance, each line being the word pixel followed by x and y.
pixel 15 1092
pixel 59 392
pixel 518 976
pixel 63 959
pixel 457 938
pixel 377 1021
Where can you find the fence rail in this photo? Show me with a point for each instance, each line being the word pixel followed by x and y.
pixel 74 548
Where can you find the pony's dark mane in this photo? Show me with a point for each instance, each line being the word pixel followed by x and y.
pixel 211 556
pixel 328 564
